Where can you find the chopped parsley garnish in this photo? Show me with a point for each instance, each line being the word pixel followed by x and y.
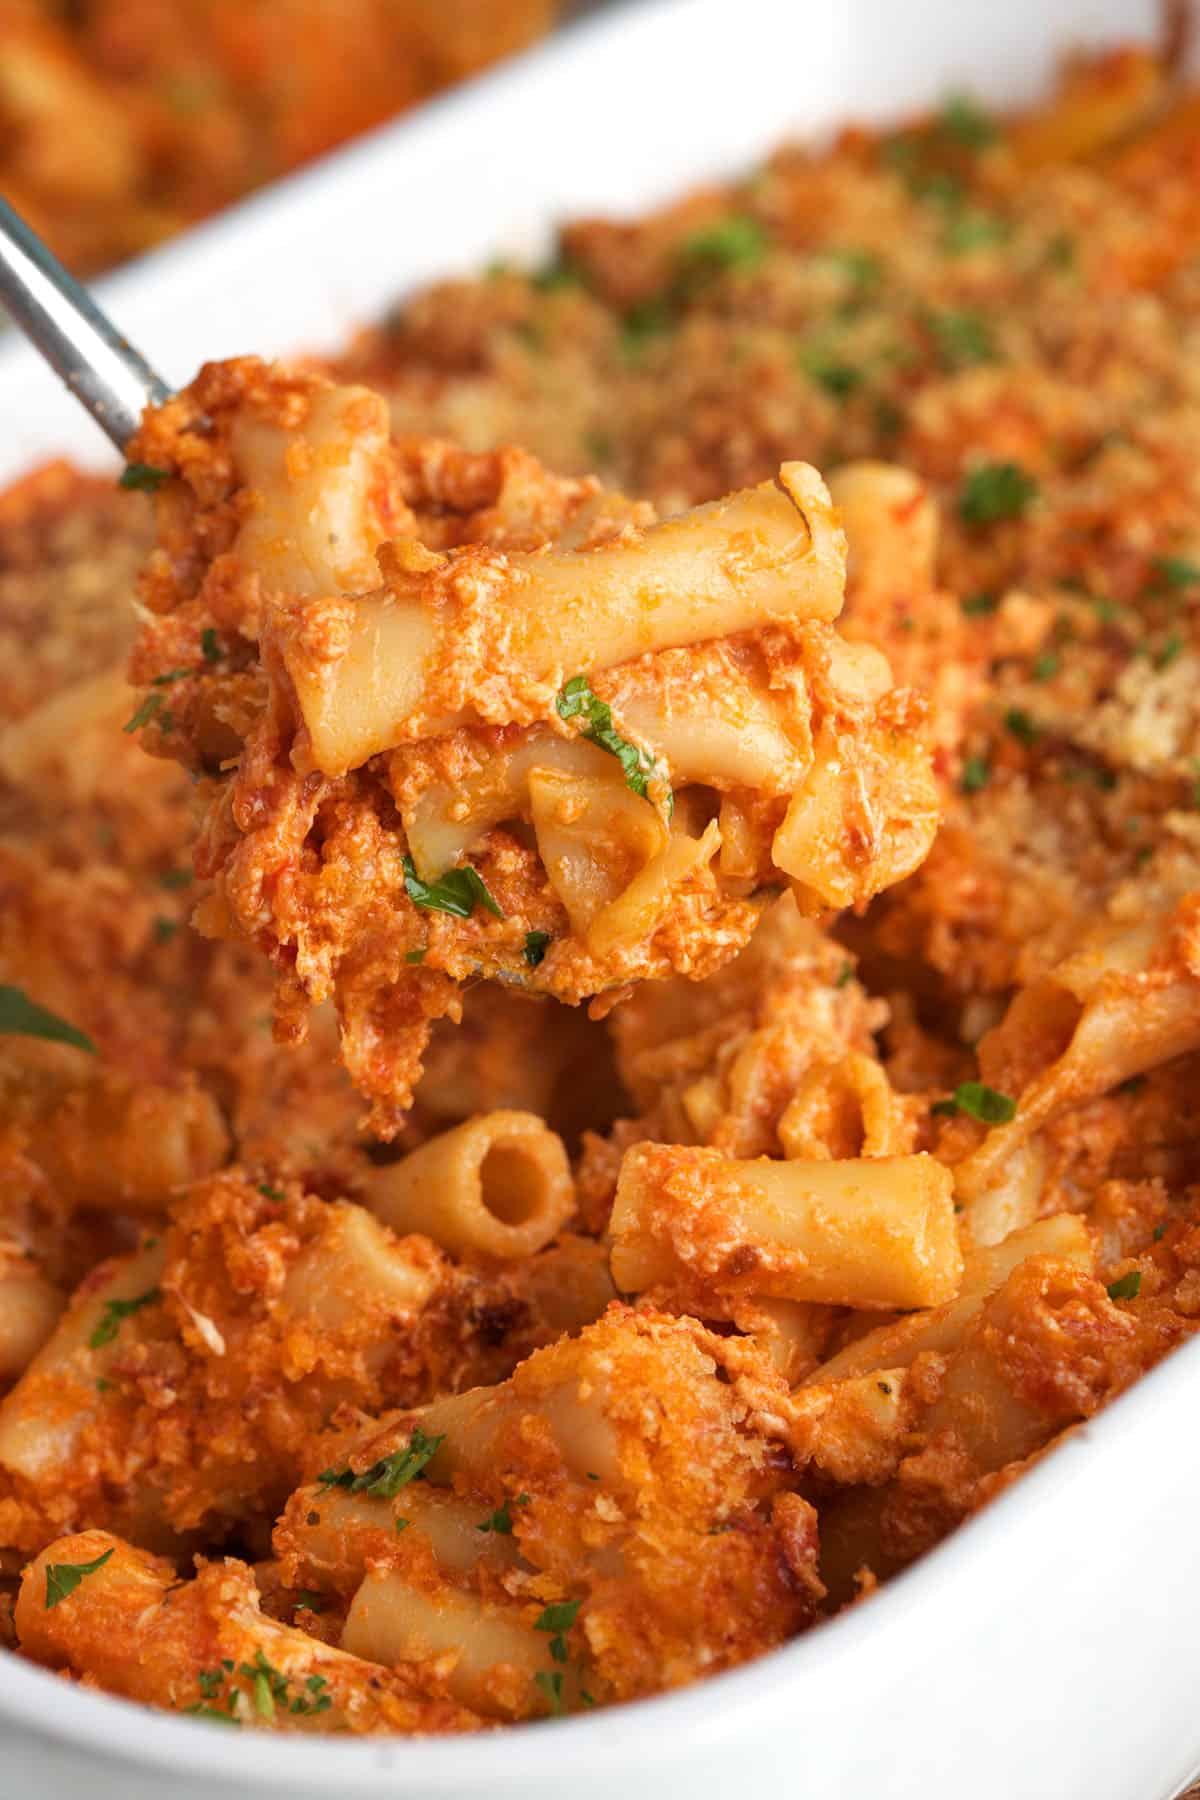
pixel 150 709
pixel 457 892
pixel 995 491
pixel 551 1684
pixel 964 120
pixel 962 338
pixel 562 273
pixel 1060 251
pixel 976 773
pixel 1045 666
pixel 1099 776
pixel 63 1578
pixel 1159 1232
pixel 940 189
pixel 117 1310
pixel 268 1691
pixel 576 701
pixel 1169 650
pixel 598 445
pixel 309 1601
pixel 844 974
pixel 536 943
pixel 837 378
pixel 210 645
pixel 501 1519
pixel 165 929
pixel 980 1102
pixel 385 1478
pixel 1127 1286
pixel 143 478
pixel 174 879
pixel 648 319
pixel 558 1619
pixel 264 1699
pixel 974 231
pixel 862 266
pixel 22 1017
pixel 738 242
pixel 268 1192
pixel 975 605
pixel 414 956
pixel 1023 728
pixel 1175 572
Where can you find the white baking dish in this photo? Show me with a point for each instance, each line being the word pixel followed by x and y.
pixel 1051 1647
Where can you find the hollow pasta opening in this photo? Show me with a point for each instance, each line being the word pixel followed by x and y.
pixel 511 1184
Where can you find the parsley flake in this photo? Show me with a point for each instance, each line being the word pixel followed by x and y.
pixel 980 1102
pixel 536 943
pixel 1023 728
pixel 1175 572
pixel 844 974
pixel 63 1578
pixel 974 231
pixel 22 1017
pixel 143 478
pixel 995 491
pixel 576 700
pixel 738 242
pixel 642 323
pixel 962 339
pixel 115 1311
pixel 963 119
pixel 862 266
pixel 210 645
pixel 976 773
pixel 1127 1286
pixel 976 605
pixel 457 892
pixel 150 708
pixel 551 1684
pixel 558 1618
pixel 500 1522
pixel 309 1601
pixel 385 1478
pixel 562 273
pixel 838 378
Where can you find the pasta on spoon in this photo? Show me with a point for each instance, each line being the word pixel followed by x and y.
pixel 458 717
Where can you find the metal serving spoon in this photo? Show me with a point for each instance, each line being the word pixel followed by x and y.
pixel 101 368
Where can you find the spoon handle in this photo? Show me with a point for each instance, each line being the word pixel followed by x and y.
pixel 100 367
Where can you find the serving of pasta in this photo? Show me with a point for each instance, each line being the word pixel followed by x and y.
pixel 622 1065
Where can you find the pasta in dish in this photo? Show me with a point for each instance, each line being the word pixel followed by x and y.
pixel 561 745
pixel 618 1344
